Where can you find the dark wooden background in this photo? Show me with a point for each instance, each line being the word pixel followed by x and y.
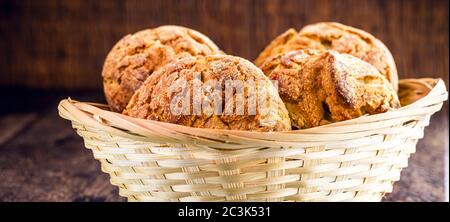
pixel 53 44
pixel 52 49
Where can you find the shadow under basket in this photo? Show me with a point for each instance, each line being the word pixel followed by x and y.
pixel 354 160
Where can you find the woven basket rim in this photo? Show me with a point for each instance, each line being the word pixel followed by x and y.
pixel 95 115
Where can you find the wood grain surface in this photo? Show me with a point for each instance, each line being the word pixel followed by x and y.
pixel 52 44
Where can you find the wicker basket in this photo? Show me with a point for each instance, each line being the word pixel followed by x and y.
pixel 354 160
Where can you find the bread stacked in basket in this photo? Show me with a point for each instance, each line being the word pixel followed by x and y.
pixel 316 117
pixel 325 73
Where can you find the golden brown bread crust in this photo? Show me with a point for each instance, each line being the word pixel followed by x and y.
pixel 153 99
pixel 136 56
pixel 321 87
pixel 337 37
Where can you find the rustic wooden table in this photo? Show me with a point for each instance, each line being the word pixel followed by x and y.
pixel 43 159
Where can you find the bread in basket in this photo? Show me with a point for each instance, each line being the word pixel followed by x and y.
pixel 353 160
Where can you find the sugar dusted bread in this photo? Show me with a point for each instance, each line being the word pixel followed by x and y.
pixel 137 56
pixel 321 87
pixel 337 37
pixel 156 99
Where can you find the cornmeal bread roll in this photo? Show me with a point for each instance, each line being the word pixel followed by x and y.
pixel 210 75
pixel 337 37
pixel 321 87
pixel 137 56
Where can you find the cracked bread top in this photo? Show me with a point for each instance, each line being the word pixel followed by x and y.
pixel 321 87
pixel 337 37
pixel 209 77
pixel 137 56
